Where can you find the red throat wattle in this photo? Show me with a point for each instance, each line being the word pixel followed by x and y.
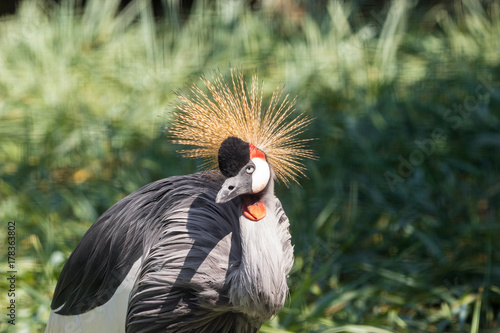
pixel 255 212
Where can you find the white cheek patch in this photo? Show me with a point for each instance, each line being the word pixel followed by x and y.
pixel 261 175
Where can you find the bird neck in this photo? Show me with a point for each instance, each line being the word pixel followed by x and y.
pixel 260 285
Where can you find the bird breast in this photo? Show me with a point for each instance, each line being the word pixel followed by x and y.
pixel 259 287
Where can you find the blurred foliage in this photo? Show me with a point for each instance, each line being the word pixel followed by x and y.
pixel 397 227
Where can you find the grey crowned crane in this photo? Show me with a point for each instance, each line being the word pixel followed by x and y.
pixel 207 252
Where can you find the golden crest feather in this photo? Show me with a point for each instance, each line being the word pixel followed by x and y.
pixel 205 121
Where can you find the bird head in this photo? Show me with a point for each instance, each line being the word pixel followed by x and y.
pixel 230 127
pixel 245 167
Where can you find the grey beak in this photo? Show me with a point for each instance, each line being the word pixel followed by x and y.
pixel 224 195
pixel 233 187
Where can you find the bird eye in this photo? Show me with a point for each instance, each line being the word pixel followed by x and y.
pixel 250 169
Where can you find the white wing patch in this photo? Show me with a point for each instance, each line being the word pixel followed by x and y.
pixel 110 317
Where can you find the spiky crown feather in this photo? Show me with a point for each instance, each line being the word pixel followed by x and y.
pixel 206 121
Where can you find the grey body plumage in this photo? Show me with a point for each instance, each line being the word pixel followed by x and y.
pixel 216 271
pixel 205 268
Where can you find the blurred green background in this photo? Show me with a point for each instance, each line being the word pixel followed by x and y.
pixel 396 228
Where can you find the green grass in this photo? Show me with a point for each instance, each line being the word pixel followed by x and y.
pixel 85 97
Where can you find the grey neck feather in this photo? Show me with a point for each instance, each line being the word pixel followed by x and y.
pixel 259 286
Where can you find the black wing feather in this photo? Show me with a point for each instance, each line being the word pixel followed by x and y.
pixel 110 247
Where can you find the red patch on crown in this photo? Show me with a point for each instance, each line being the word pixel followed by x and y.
pixel 254 152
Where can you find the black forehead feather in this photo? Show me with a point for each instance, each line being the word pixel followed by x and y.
pixel 234 154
